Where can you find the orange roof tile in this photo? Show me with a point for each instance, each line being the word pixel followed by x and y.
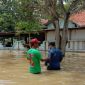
pixel 79 18
pixel 44 21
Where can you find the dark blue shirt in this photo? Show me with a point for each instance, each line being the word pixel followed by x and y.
pixel 55 55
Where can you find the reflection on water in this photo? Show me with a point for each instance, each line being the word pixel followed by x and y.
pixel 5 82
pixel 1 46
pixel 18 45
pixel 14 71
pixel 74 62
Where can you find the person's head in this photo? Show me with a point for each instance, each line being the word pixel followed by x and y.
pixel 34 43
pixel 51 44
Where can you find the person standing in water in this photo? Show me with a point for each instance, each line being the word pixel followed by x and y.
pixel 34 56
pixel 55 57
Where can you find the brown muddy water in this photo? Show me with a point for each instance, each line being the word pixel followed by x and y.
pixel 14 70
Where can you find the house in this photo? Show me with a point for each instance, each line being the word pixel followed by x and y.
pixel 76 32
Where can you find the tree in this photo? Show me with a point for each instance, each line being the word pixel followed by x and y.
pixel 50 8
pixel 21 12
pixel 73 7
pixel 7 24
pixel 7 18
pixel 27 17
pixel 57 9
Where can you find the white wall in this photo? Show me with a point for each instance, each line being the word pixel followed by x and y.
pixel 76 39
pixel 50 36
pixel 78 35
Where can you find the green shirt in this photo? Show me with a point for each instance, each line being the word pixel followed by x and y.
pixel 34 56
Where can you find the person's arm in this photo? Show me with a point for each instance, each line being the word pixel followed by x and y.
pixel 44 59
pixel 48 58
pixel 40 57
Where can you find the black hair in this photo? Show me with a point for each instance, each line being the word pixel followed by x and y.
pixel 52 43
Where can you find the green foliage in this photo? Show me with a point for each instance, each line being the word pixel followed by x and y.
pixel 28 20
pixel 24 26
pixel 19 15
pixel 7 24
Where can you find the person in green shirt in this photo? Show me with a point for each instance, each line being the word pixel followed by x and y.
pixel 34 56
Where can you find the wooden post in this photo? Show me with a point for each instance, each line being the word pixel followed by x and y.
pixel 12 40
pixel 29 39
pixel 18 42
pixel 45 43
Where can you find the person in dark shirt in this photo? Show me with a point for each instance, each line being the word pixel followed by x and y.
pixel 55 56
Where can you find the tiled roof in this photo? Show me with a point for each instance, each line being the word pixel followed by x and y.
pixel 79 18
pixel 44 21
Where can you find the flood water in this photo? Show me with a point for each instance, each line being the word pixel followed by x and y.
pixel 14 70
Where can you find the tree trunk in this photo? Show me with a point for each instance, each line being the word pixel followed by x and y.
pixel 64 34
pixel 57 33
